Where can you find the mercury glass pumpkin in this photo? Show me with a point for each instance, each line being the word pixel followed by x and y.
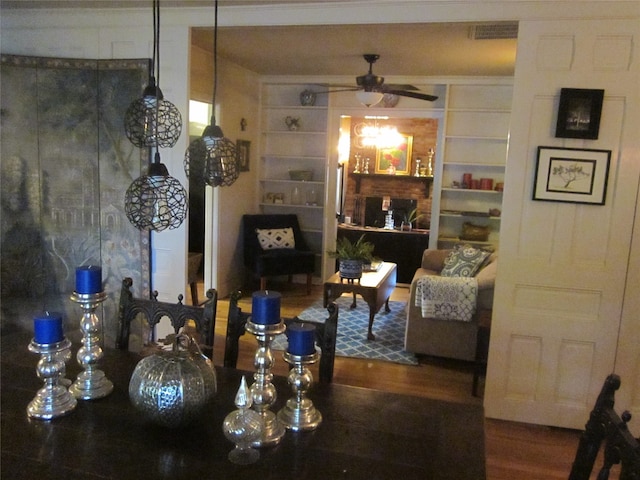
pixel 171 388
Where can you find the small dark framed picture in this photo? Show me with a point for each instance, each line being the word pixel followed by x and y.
pixel 579 113
pixel 572 175
pixel 243 148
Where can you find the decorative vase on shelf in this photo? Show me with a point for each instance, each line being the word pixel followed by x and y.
pixel 307 98
pixel 292 123
pixel 296 196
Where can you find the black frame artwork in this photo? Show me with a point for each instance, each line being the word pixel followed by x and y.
pixel 572 175
pixel 243 149
pixel 579 113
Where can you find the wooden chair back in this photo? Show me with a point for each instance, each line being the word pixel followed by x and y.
pixel 605 425
pixel 326 333
pixel 153 310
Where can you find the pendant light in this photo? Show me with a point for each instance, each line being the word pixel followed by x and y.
pixel 213 156
pixel 151 120
pixel 155 201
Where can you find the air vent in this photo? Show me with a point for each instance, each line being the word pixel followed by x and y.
pixel 494 31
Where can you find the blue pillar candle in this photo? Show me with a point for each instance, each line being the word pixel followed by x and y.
pixel 265 307
pixel 47 328
pixel 301 338
pixel 88 279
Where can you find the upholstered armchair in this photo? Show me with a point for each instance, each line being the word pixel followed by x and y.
pixel 274 246
pixel 449 338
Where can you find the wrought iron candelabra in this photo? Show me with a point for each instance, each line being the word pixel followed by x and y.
pixel 92 382
pixel 263 391
pixel 53 400
pixel 299 413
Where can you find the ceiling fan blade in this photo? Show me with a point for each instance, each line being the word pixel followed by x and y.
pixel 353 89
pixel 398 86
pixel 418 95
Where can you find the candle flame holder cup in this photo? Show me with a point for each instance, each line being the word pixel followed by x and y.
pixel 299 413
pixel 91 383
pixel 263 392
pixel 53 400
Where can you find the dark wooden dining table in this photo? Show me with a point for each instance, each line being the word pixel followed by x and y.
pixel 365 434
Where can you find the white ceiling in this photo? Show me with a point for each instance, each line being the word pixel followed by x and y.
pixel 435 49
pixel 427 49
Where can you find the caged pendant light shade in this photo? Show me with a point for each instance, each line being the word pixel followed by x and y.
pixel 213 157
pixel 152 121
pixel 156 201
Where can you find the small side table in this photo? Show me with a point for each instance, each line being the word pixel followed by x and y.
pixel 374 287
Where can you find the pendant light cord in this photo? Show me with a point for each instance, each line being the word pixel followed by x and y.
pixel 156 67
pixel 215 62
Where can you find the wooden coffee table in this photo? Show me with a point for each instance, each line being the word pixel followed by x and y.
pixel 374 287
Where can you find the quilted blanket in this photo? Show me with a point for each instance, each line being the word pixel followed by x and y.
pixel 447 298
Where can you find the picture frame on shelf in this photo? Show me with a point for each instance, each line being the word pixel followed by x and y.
pixel 395 160
pixel 243 149
pixel 579 113
pixel 571 175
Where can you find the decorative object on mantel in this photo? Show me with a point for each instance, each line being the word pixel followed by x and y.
pixel 243 427
pixel 91 383
pixel 152 121
pixel 395 160
pixel 213 156
pixel 53 399
pixel 171 388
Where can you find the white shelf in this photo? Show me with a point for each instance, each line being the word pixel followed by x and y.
pixel 471 190
pixel 476 136
pixel 462 215
pixel 287 181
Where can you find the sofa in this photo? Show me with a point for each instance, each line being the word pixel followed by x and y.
pixel 448 338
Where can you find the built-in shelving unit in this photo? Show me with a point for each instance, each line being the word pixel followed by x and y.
pixel 475 143
pixel 301 149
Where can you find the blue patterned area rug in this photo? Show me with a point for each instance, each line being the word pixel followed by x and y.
pixel 352 331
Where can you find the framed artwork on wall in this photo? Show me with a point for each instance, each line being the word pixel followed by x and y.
pixel 571 175
pixel 243 148
pixel 579 113
pixel 395 160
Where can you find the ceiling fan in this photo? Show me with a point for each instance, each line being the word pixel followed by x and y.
pixel 371 88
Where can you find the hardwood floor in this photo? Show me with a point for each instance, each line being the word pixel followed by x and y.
pixel 513 450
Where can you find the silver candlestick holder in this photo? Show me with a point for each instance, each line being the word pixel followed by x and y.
pixel 263 392
pixel 91 383
pixel 53 400
pixel 299 413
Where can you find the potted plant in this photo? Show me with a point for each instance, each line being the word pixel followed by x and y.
pixel 410 219
pixel 352 256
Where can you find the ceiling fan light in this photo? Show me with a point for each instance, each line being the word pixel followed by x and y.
pixel 369 99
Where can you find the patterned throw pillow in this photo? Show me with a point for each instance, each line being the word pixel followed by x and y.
pixel 464 261
pixel 276 238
